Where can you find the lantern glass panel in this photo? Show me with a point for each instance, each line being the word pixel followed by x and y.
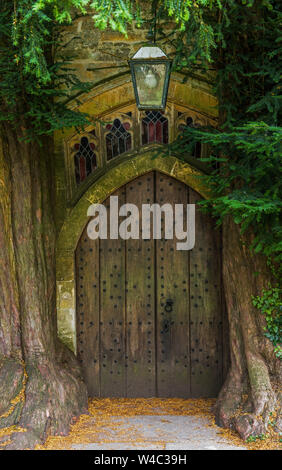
pixel 150 84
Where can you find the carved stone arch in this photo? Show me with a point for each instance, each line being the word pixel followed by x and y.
pixel 76 220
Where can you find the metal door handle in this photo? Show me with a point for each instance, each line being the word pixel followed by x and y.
pixel 168 305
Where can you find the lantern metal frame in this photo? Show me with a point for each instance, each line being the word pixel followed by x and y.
pixel 151 61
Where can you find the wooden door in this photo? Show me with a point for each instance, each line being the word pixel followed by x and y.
pixel 150 317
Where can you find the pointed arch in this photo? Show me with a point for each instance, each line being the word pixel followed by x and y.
pixel 76 220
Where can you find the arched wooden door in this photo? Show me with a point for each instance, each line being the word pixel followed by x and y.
pixel 150 317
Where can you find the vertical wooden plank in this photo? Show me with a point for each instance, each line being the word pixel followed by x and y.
pixel 140 299
pixel 112 312
pixel 172 284
pixel 87 311
pixel 205 307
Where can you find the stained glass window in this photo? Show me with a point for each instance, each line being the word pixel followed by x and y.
pixel 85 160
pixel 126 129
pixel 154 128
pixel 118 140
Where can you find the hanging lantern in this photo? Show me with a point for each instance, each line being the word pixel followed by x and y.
pixel 150 70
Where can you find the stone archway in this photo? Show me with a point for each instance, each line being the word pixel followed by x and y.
pixel 74 224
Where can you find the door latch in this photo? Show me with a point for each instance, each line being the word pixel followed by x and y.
pixel 168 305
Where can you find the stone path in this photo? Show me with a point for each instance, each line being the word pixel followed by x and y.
pixel 158 432
pixel 144 424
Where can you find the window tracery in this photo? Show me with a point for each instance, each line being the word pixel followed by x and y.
pixel 85 159
pixel 154 128
pixel 122 131
pixel 118 139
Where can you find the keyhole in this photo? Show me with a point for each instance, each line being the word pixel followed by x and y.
pixel 166 326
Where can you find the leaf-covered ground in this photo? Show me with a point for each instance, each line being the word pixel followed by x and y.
pixel 110 414
pixel 108 417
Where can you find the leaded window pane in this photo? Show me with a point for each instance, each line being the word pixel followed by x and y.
pixel 118 139
pixel 154 128
pixel 85 159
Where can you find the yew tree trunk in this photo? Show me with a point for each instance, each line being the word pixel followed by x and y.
pixel 41 388
pixel 252 390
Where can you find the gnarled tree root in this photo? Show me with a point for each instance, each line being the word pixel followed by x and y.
pixel 249 411
pixel 12 386
pixel 52 396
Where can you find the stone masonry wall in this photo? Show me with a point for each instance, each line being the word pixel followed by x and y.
pixel 106 51
pixel 97 55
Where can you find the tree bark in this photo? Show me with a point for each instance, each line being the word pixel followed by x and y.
pixel 251 390
pixel 41 387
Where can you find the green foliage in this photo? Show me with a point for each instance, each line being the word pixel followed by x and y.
pixel 33 89
pixel 249 62
pixel 248 183
pixel 244 166
pixel 193 38
pixel 270 305
pixel 117 14
pixel 254 438
pixel 193 42
pixel 248 145
pixel 29 28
